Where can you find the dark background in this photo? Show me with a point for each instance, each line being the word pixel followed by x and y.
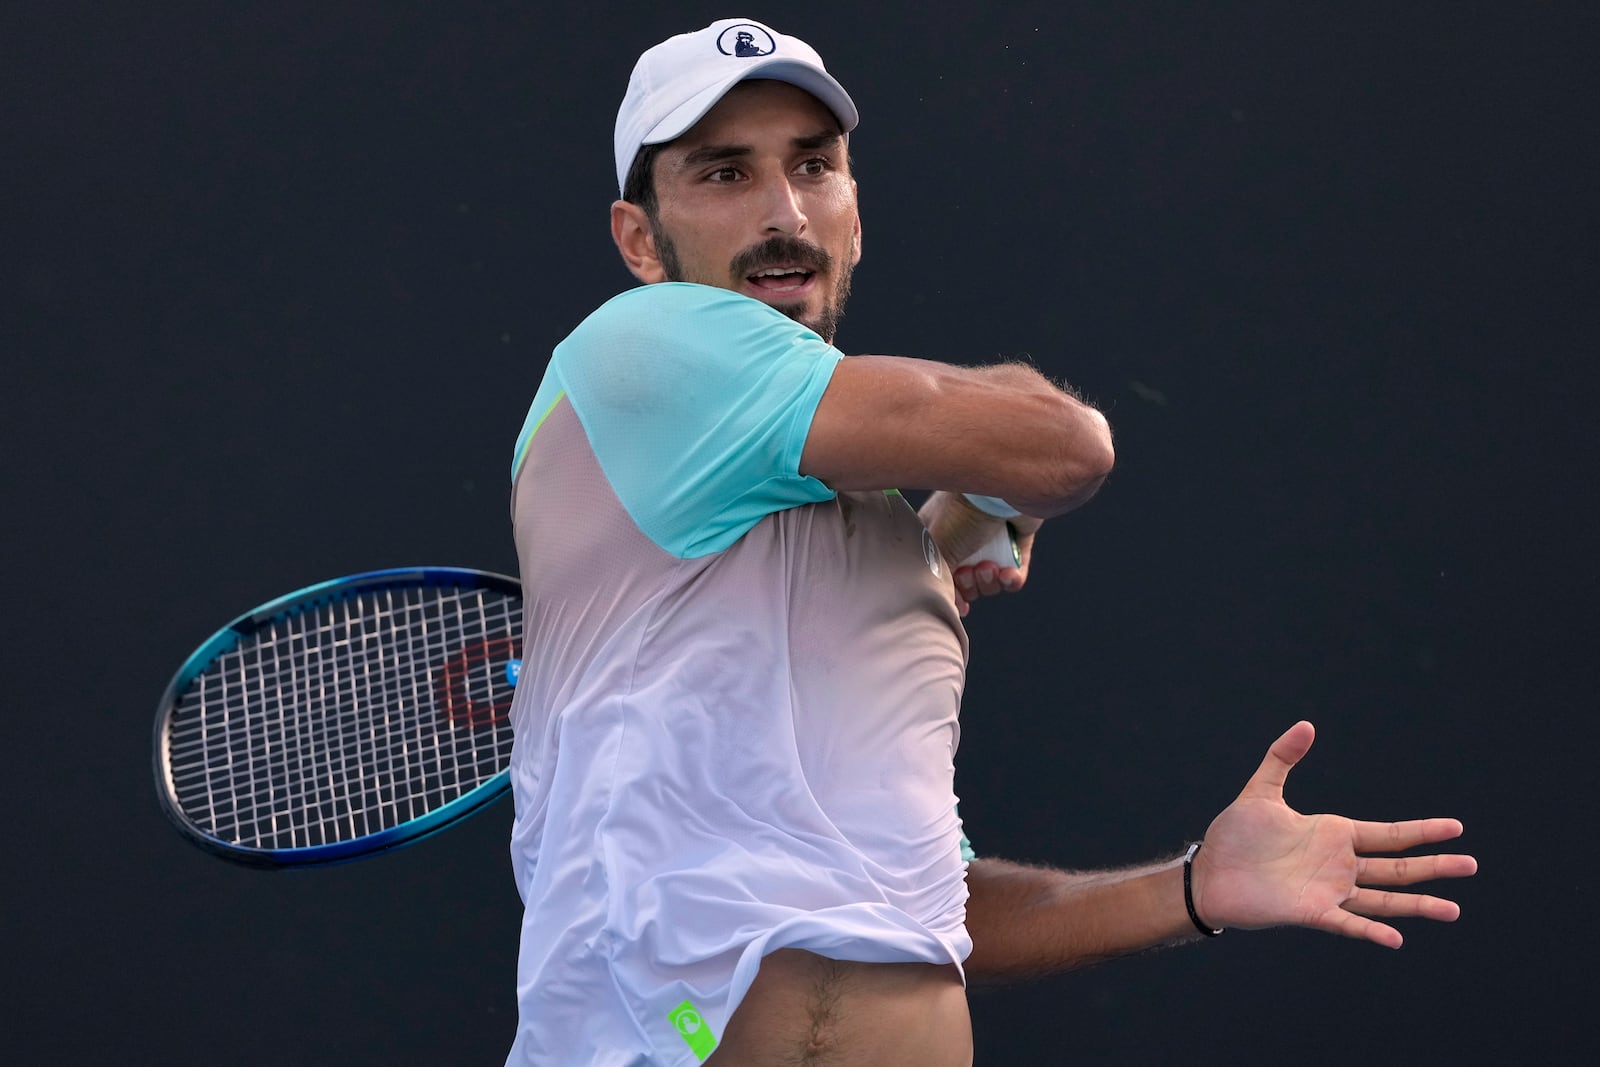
pixel 280 281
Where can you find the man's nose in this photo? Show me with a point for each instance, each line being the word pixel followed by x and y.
pixel 784 213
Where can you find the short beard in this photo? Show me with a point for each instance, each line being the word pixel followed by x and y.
pixel 824 324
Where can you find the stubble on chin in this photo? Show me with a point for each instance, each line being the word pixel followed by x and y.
pixel 825 323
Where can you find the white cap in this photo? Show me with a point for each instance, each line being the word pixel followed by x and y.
pixel 679 80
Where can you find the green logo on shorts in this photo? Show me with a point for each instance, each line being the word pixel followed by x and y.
pixel 685 1019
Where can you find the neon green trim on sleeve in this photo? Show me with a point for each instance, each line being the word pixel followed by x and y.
pixel 527 434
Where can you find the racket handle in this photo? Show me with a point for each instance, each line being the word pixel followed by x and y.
pixel 1000 549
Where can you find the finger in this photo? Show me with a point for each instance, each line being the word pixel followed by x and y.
pixel 1012 578
pixel 1349 924
pixel 1285 752
pixel 967 582
pixel 1399 836
pixel 1402 905
pixel 977 580
pixel 1409 870
pixel 986 575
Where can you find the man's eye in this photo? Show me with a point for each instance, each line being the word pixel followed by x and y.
pixel 723 174
pixel 815 166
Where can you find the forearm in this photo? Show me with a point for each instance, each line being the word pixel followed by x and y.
pixel 1001 431
pixel 1033 920
pixel 1077 450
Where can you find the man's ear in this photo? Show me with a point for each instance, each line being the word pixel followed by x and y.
pixel 630 230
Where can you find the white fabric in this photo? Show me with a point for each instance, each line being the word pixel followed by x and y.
pixel 720 756
pixel 680 79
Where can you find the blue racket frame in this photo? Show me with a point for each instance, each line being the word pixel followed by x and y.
pixel 229 637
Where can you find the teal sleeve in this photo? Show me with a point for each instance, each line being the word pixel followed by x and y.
pixel 697 402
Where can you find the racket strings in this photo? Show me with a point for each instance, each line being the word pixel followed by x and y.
pixel 326 725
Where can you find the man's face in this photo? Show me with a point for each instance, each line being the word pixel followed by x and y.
pixel 757 197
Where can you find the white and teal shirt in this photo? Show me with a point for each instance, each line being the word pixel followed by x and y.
pixel 737 713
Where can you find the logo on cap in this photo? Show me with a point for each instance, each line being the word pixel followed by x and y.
pixel 746 41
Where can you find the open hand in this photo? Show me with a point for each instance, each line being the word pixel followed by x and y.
pixel 1265 864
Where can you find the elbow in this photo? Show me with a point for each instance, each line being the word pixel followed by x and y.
pixel 1083 485
pixel 1085 460
pixel 1097 454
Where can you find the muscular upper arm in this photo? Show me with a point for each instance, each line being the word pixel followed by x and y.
pixel 1004 430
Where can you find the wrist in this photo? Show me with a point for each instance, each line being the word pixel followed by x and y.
pixel 1189 893
pixel 991 506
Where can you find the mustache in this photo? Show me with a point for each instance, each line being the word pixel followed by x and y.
pixel 781 252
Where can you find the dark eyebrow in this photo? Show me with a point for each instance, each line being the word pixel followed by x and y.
pixel 717 153
pixel 824 139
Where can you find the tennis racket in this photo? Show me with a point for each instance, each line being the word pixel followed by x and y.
pixel 347 719
pixel 1000 549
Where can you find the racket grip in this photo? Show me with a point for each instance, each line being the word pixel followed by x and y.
pixel 1000 549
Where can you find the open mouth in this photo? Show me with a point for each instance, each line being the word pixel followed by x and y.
pixel 781 280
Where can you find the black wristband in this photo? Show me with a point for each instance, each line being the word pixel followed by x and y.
pixel 1188 892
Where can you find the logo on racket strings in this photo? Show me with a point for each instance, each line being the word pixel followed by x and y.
pixel 474 686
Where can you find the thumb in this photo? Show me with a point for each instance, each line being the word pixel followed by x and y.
pixel 1286 751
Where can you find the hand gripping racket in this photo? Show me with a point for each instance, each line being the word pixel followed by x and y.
pixel 346 719
pixel 1001 549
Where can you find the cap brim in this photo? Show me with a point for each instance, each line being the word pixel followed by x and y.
pixel 818 83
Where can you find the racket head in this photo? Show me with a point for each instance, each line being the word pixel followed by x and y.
pixel 348 718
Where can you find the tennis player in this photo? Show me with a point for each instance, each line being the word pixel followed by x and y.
pixel 736 832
